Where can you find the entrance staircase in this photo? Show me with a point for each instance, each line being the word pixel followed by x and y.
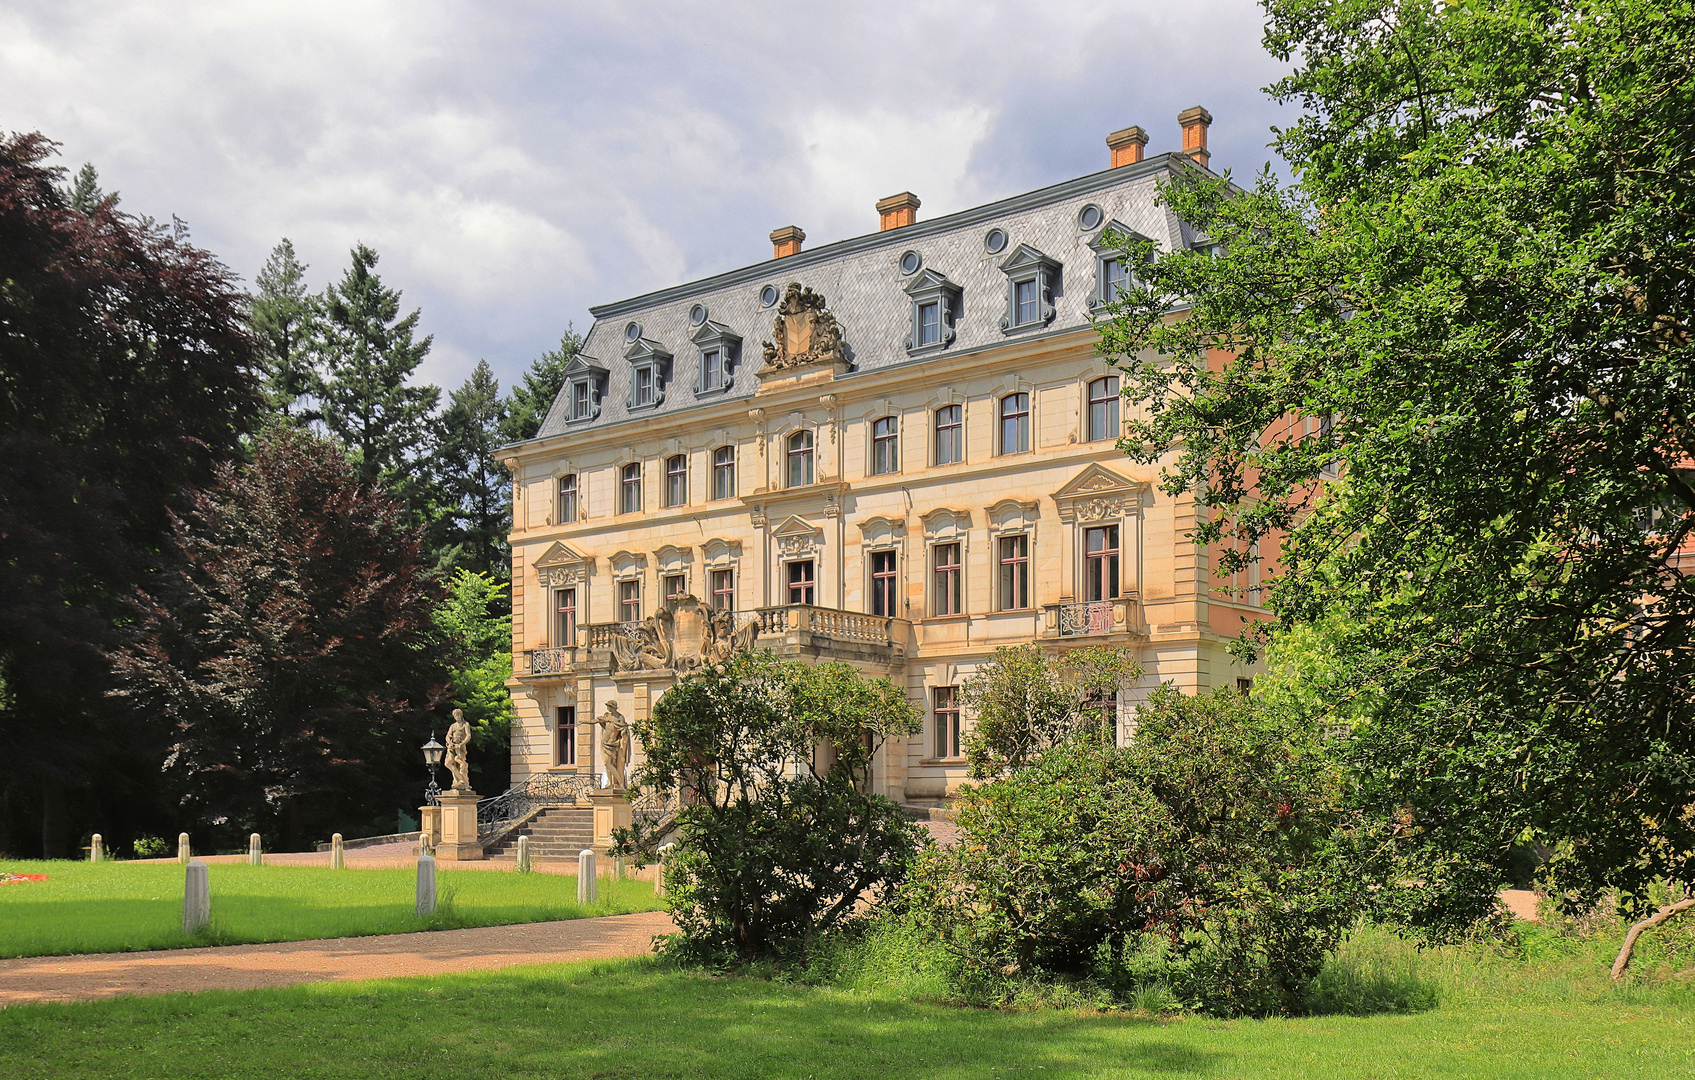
pixel 556 832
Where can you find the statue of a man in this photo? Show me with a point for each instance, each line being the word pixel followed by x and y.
pixel 458 742
pixel 614 746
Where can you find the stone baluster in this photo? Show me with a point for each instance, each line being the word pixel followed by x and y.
pixel 196 897
pixel 588 889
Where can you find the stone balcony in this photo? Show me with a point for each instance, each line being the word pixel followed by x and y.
pixel 1094 619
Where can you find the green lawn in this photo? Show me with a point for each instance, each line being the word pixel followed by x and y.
pixel 112 907
pixel 637 1019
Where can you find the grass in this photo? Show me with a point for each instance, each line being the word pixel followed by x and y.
pixel 1491 1015
pixel 117 907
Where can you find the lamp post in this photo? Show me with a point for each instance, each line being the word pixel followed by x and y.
pixel 433 753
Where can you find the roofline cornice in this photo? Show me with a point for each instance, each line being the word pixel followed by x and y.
pixel 1168 162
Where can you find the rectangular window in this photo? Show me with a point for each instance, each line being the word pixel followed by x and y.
pixel 1244 684
pixel 723 590
pixel 883 586
pixel 712 370
pixel 565 617
pixel 1026 297
pixel 582 402
pixel 800 459
pixel 644 386
pixel 1015 572
pixel 800 582
pixel 724 472
pixel 950 434
pixel 565 736
pixel 630 601
pixel 631 489
pixel 929 324
pixel 885 446
pixel 567 499
pixel 1101 563
pixel 949 581
pixel 1015 423
pixel 676 587
pixel 1103 409
pixel 677 480
pixel 946 712
pixel 1114 278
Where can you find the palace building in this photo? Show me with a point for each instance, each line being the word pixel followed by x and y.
pixel 897 450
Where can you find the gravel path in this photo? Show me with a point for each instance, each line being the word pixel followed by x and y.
pixel 248 967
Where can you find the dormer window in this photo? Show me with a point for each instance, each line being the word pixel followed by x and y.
pixel 1030 281
pixel 650 373
pixel 1115 267
pixel 720 349
pixel 585 381
pixel 934 299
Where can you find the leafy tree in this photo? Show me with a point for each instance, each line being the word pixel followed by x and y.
pixel 366 352
pixel 781 840
pixel 290 650
pixel 124 375
pixel 475 488
pixel 1454 362
pixel 1211 845
pixel 475 618
pixel 282 317
pixel 1023 702
pixel 530 399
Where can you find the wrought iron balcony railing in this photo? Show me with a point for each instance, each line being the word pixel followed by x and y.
pixel 1091 618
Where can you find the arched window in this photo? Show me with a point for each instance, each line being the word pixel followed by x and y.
pixel 630 484
pixel 676 480
pixel 800 458
pixel 1103 408
pixel 724 472
pixel 885 446
pixel 950 435
pixel 567 499
pixel 1015 423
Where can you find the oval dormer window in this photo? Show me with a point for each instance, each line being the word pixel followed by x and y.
pixel 994 241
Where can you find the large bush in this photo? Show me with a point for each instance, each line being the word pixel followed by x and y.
pixel 780 839
pixel 1212 844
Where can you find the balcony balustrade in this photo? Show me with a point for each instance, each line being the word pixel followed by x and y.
pixel 1092 618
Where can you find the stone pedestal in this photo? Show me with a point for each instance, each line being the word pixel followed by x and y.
pixel 459 826
pixel 429 825
pixel 611 811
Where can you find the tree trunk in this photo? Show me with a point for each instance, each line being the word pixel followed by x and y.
pixel 1649 923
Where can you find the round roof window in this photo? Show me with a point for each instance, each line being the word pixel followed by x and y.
pixel 910 262
pixel 1090 217
pixel 697 314
pixel 633 332
pixel 768 296
pixel 994 242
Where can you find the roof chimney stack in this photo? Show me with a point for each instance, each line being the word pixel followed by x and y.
pixel 898 210
pixel 1195 122
pixel 1127 145
pixel 786 241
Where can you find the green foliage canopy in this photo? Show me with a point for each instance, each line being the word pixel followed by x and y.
pixel 1023 702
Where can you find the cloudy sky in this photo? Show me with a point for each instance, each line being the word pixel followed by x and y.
pixel 515 163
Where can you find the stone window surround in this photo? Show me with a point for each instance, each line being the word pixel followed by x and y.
pixel 579 499
pixel 584 372
pixel 674 561
pixel 931 287
pixel 947 526
pixel 1007 518
pixel 932 411
pixel 627 566
pixel 1099 496
pixel 1104 252
pixel 1026 264
pixel 712 336
pixel 651 357
pixel 1085 429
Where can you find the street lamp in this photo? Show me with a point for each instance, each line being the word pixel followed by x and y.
pixel 433 753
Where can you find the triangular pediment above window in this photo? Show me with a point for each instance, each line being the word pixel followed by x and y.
pixel 1023 257
pixel 928 281
pixel 709 332
pixel 794 525
pixel 1097 480
pixel 583 367
pixel 645 349
pixel 1102 245
pixel 560 554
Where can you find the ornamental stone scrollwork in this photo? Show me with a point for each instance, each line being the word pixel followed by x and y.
pixel 680 637
pixel 1099 494
pixel 803 332
pixel 561 565
pixel 797 538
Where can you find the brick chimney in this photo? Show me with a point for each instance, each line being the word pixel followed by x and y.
pixel 1195 122
pixel 786 241
pixel 1126 145
pixel 898 210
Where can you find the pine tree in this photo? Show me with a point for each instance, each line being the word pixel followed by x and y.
pixel 474 488
pixel 529 401
pixel 282 320
pixel 366 352
pixel 85 194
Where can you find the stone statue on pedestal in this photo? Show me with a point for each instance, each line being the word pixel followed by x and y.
pixel 458 742
pixel 614 746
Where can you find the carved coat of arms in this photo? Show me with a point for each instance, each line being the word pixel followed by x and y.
pixel 803 333
pixel 680 637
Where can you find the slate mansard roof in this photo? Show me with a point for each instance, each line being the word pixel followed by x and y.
pixel 862 283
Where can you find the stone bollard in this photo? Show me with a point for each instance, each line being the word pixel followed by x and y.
pixel 426 886
pixel 618 868
pixel 96 849
pixel 523 854
pixel 336 852
pixel 183 852
pixel 588 890
pixel 659 880
pixel 196 897
pixel 255 853
pixel 424 847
